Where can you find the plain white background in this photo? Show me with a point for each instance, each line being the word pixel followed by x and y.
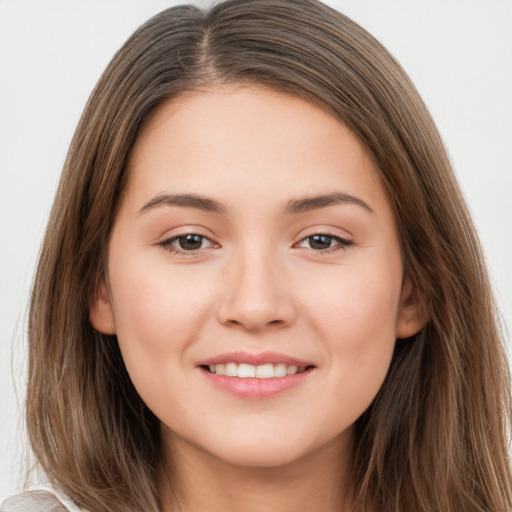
pixel 458 53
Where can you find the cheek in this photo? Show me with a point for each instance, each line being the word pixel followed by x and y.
pixel 159 314
pixel 351 306
pixel 356 320
pixel 154 303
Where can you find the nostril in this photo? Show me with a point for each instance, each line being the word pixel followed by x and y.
pixel 253 311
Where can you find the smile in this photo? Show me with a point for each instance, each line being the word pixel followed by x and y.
pixel 263 371
pixel 255 376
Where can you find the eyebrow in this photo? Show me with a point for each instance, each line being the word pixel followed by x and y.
pixel 322 201
pixel 294 206
pixel 185 201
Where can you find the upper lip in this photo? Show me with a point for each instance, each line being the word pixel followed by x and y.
pixel 241 357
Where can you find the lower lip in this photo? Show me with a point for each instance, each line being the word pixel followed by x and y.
pixel 254 388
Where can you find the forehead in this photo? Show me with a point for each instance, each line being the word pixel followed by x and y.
pixel 246 138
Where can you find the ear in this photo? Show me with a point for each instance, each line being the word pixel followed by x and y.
pixel 100 311
pixel 411 315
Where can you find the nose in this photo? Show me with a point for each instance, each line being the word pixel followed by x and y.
pixel 256 295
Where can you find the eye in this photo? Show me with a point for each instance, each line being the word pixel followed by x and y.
pixel 190 242
pixel 324 242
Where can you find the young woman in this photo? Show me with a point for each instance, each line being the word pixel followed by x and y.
pixel 260 287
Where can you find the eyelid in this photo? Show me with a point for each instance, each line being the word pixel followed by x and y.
pixel 167 243
pixel 344 242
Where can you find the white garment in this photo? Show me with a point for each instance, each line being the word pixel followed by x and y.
pixel 34 501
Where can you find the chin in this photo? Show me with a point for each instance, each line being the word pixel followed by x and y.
pixel 263 449
pixel 260 457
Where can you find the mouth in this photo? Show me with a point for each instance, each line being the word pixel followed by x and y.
pixel 261 371
pixel 255 376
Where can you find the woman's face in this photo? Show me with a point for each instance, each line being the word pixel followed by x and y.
pixel 254 276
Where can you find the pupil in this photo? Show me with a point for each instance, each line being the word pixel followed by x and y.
pixel 190 242
pixel 320 242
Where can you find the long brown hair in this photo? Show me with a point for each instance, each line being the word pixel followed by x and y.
pixel 436 436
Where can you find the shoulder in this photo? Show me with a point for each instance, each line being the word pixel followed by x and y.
pixel 34 501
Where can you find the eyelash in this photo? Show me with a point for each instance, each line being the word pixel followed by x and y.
pixel 168 244
pixel 340 244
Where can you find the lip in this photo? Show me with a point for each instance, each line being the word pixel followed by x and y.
pixel 241 357
pixel 252 387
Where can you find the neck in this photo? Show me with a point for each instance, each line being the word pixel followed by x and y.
pixel 316 482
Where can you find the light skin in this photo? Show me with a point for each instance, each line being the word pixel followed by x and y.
pixel 296 252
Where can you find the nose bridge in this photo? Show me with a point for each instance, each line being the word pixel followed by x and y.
pixel 256 295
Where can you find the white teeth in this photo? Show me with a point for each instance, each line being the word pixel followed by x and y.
pixel 280 370
pixel 292 370
pixel 263 371
pixel 246 370
pixel 231 370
